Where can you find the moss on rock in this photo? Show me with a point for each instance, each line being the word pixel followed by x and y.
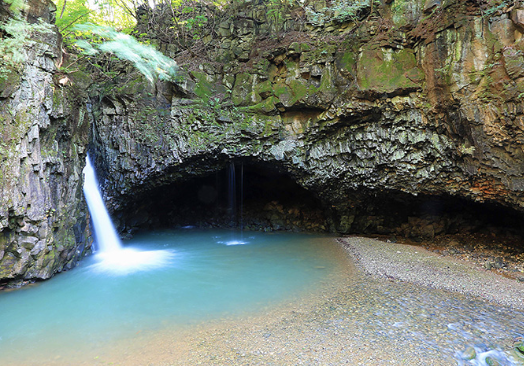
pixel 385 70
pixel 243 93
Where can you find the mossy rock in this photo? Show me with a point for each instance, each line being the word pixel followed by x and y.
pixel 284 94
pixel 346 62
pixel 300 90
pixel 296 90
pixel 80 79
pixel 388 71
pixel 272 72
pixel 204 89
pixel 9 83
pixel 267 106
pixel 469 354
pixel 262 66
pixel 291 66
pixel 8 265
pixel 519 349
pixel 136 86
pixel 271 123
pixel 327 90
pixel 491 361
pixel 243 93
pixel 407 12
pixel 264 89
pixel 304 47
pixel 319 54
pixel 514 63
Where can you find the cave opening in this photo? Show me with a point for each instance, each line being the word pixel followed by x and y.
pixel 258 196
pixel 237 196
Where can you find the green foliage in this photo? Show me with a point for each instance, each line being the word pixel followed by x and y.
pixel 151 63
pixel 198 21
pixel 189 20
pixel 195 22
pixel 70 13
pixel 276 10
pixel 341 11
pixel 118 14
pixel 18 35
pixel 16 5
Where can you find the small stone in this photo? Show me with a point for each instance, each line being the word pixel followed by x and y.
pixel 469 354
pixel 430 5
pixel 499 263
pixel 468 248
pixel 520 279
pixel 517 16
pixel 491 361
pixel 488 265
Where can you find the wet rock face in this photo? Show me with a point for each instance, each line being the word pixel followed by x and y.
pixel 422 98
pixel 43 133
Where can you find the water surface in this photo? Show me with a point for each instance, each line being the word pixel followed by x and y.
pixel 196 276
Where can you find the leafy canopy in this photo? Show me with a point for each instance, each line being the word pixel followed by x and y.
pixel 119 14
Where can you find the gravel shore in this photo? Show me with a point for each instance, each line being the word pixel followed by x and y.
pixel 419 266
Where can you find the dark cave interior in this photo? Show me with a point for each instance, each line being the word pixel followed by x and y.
pixel 254 196
pixel 262 198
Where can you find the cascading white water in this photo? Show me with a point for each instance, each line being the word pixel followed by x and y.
pixel 113 257
pixel 106 236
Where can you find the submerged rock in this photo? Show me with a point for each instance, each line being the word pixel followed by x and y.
pixel 469 354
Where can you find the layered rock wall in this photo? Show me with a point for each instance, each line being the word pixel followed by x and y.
pixel 418 97
pixel 400 100
pixel 44 133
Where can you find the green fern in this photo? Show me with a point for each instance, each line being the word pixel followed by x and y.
pixel 18 36
pixel 151 63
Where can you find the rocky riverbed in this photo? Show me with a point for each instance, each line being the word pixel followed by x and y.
pixel 419 266
pixel 496 253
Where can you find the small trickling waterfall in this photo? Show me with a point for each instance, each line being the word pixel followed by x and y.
pixel 112 257
pixel 232 199
pixel 106 236
pixel 242 202
pixel 232 193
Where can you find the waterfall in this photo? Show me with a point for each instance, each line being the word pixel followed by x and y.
pixel 232 193
pixel 105 233
pixel 112 257
pixel 232 199
pixel 242 202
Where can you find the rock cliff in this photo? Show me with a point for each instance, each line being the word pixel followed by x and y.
pixel 44 133
pixel 398 113
pixel 401 117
